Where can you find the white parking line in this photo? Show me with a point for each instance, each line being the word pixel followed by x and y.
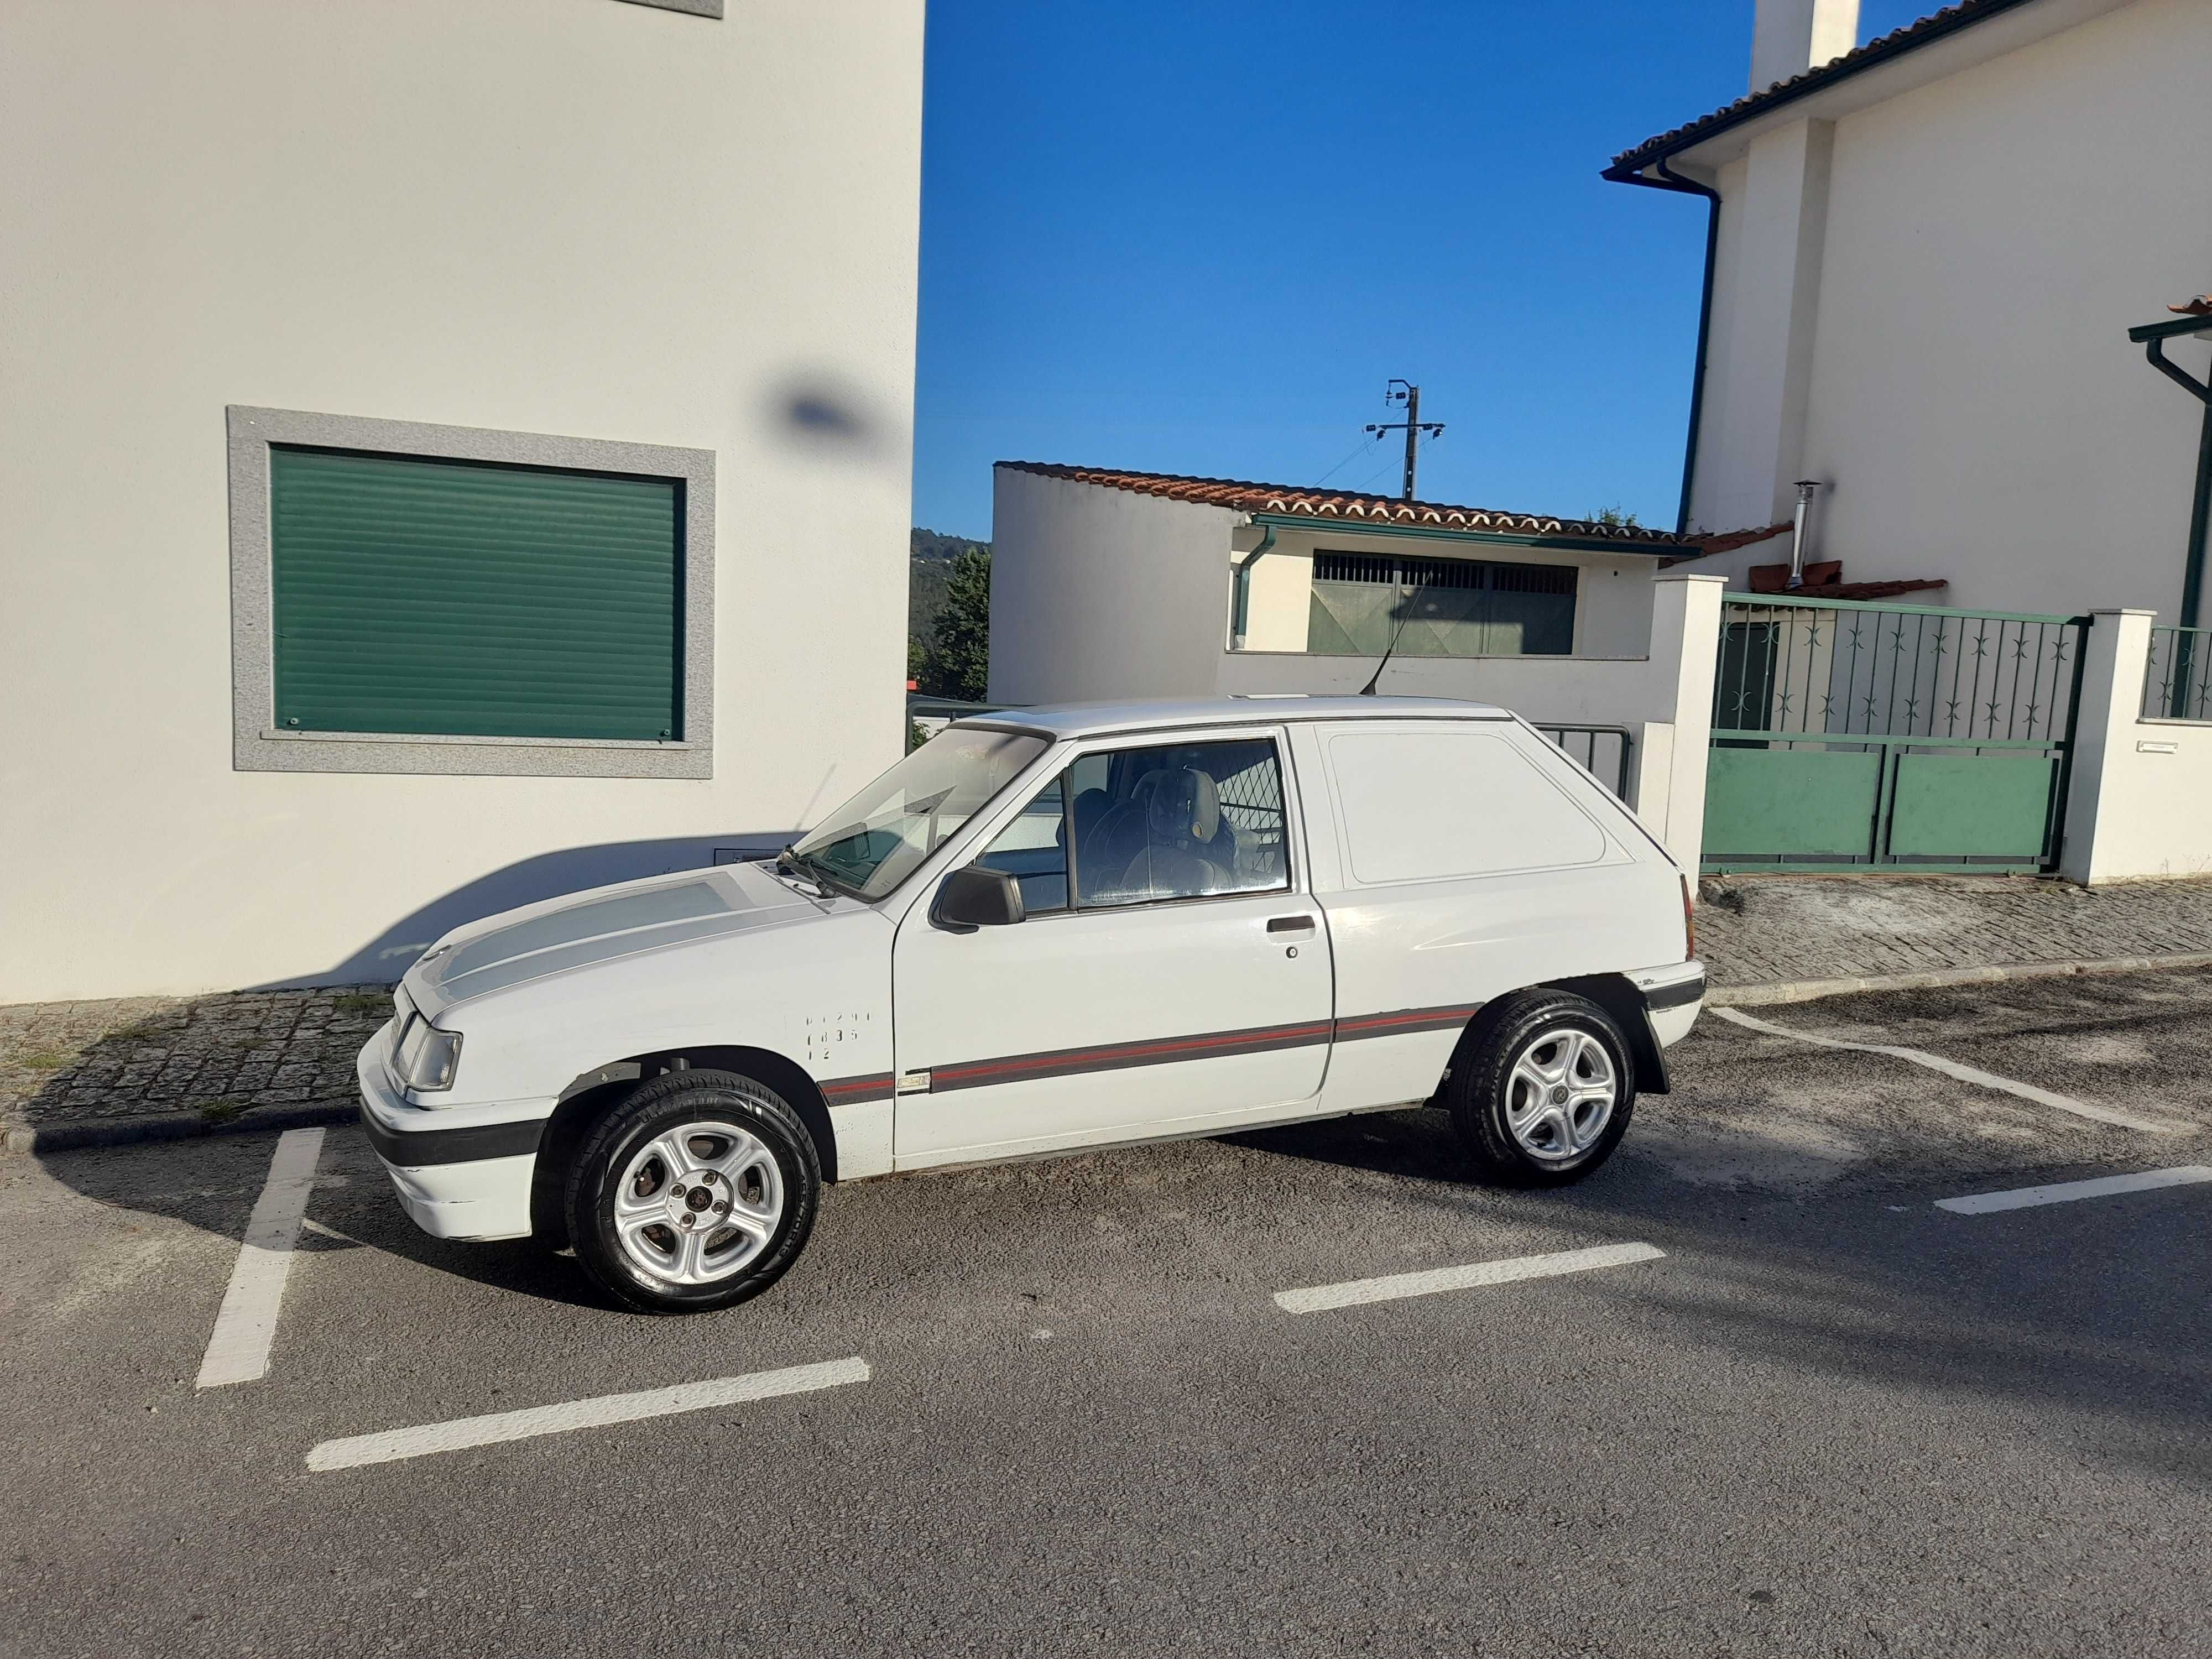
pixel 396 1443
pixel 1971 1075
pixel 238 1348
pixel 1317 1298
pixel 2066 1192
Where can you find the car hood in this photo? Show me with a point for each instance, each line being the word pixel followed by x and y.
pixel 563 935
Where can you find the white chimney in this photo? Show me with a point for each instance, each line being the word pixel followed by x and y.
pixel 1791 36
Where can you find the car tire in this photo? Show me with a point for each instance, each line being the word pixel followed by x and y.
pixel 1542 1090
pixel 697 1192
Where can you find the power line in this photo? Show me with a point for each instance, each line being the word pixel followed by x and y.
pixel 1359 448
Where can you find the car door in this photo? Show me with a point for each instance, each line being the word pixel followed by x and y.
pixel 1171 974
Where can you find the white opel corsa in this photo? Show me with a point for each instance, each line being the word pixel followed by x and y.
pixel 1041 932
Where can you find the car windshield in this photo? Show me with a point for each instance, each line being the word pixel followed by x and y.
pixel 874 841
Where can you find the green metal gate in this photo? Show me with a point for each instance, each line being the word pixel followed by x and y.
pixel 1849 736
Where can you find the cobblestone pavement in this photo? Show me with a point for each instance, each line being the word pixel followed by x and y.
pixel 1756 930
pixel 221 1057
pixel 217 1056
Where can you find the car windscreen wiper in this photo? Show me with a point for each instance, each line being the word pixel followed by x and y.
pixel 790 859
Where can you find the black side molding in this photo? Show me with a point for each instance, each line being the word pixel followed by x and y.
pixel 420 1149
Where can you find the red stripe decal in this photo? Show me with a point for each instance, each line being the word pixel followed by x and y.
pixel 1016 1068
pixel 850 1090
pixel 1111 1056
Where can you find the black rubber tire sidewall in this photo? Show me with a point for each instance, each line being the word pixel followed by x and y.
pixel 651 1109
pixel 1477 1093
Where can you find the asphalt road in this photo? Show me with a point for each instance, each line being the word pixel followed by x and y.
pixel 1831 1417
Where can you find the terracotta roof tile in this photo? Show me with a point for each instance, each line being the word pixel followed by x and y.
pixel 1870 590
pixel 1352 508
pixel 1919 33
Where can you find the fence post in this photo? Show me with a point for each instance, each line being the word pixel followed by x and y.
pixel 1686 633
pixel 2116 656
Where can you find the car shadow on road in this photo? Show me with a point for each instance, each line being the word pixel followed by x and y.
pixel 1418 1142
pixel 212 1183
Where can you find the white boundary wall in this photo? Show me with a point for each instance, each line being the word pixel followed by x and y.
pixel 2140 801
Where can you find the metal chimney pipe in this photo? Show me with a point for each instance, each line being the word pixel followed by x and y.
pixel 1805 488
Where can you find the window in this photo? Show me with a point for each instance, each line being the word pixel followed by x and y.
pixel 1178 820
pixel 875 840
pixel 441 599
pixel 1430 805
pixel 1033 849
pixel 1439 607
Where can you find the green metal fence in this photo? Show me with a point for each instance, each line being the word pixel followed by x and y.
pixel 2177 679
pixel 1849 735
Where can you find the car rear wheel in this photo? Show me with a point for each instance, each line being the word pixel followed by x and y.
pixel 697 1192
pixel 1544 1089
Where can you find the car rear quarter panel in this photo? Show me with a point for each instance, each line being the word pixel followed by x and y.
pixel 1415 960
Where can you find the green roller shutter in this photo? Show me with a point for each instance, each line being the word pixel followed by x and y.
pixel 474 600
pixel 1361 603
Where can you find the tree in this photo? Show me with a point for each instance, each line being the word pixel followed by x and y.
pixel 957 660
pixel 1613 519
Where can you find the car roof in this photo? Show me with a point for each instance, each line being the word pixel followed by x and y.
pixel 1084 719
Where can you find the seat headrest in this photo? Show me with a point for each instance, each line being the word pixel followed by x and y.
pixel 1185 805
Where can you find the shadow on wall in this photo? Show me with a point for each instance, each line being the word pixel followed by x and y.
pixel 383 959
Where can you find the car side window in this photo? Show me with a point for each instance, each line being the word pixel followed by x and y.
pixel 1176 821
pixel 1033 849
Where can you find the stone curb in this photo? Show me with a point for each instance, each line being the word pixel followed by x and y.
pixel 1807 990
pixel 33 1140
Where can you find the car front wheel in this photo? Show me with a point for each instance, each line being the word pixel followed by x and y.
pixel 1546 1092
pixel 695 1192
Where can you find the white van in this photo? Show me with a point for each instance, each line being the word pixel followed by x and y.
pixel 1045 931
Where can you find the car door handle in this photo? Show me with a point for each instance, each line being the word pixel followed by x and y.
pixel 1291 925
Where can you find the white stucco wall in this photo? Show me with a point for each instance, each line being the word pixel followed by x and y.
pixel 1098 593
pixel 591 218
pixel 1973 402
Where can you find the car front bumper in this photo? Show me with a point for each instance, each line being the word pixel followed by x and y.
pixel 459 1173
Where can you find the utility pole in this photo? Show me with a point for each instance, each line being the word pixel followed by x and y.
pixel 1406 392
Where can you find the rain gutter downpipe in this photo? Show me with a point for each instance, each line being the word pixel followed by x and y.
pixel 2154 344
pixel 1671 180
pixel 1240 621
pixel 2153 338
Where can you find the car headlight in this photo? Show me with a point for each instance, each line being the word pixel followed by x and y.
pixel 426 1058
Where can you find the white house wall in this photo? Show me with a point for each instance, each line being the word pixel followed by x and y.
pixel 1974 404
pixel 1278 606
pixel 590 219
pixel 1098 593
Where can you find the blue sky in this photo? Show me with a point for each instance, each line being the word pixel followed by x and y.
pixel 1198 237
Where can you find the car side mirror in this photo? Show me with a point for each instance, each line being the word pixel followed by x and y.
pixel 973 896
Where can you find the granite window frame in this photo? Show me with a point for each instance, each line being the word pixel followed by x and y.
pixel 259 744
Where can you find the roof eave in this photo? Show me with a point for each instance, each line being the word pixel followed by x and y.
pixel 2177 328
pixel 1833 84
pixel 1561 543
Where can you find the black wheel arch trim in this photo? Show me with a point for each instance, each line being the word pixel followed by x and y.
pixel 1676 992
pixel 1631 1010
